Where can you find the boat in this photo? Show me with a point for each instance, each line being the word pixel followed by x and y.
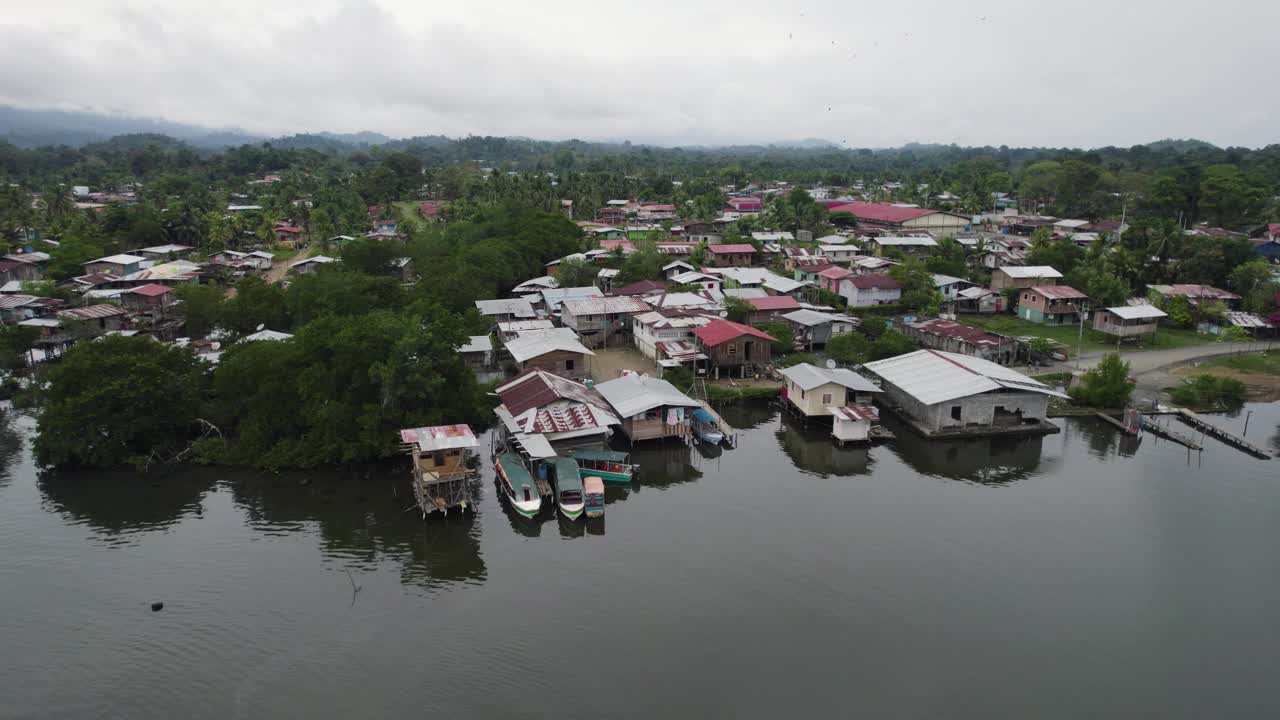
pixel 517 484
pixel 593 495
pixel 706 427
pixel 608 465
pixel 568 487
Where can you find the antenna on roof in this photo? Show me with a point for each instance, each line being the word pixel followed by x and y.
pixel 831 364
pixel 260 326
pixel 724 313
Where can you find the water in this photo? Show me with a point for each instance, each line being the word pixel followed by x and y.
pixel 1078 575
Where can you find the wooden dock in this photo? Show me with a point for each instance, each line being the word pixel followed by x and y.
pixel 1119 425
pixel 1208 428
pixel 1171 434
pixel 721 423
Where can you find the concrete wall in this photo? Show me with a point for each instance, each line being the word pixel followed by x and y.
pixel 974 410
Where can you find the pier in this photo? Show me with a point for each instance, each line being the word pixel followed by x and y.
pixel 721 424
pixel 1171 434
pixel 1208 428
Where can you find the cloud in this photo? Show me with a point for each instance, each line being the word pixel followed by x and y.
pixel 1007 73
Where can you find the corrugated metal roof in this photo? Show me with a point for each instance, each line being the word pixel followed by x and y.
pixel 118 260
pixel 1246 320
pixel 266 335
pixel 808 377
pixel 527 346
pixel 1137 312
pixel 519 326
pixel 856 412
pixel 93 312
pixel 604 305
pixel 632 395
pixel 1059 292
pixel 906 241
pixel 774 302
pixel 477 343
pixel 810 318
pixel 441 437
pixel 518 307
pixel 1030 271
pixel 933 376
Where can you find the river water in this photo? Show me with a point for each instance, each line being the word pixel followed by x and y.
pixel 1078 575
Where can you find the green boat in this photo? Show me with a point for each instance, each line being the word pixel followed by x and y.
pixel 608 465
pixel 568 488
pixel 517 484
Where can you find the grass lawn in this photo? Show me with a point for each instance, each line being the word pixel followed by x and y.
pixel 1267 363
pixel 409 212
pixel 1093 340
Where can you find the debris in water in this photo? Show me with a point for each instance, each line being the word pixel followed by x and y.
pixel 157 606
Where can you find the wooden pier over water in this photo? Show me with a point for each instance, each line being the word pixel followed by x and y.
pixel 1208 428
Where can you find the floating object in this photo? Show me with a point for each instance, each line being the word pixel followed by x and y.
pixel 157 606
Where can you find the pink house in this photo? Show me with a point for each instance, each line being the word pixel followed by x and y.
pixel 830 278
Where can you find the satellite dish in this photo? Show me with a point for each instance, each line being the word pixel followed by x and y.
pixel 260 326
pixel 831 364
pixel 724 313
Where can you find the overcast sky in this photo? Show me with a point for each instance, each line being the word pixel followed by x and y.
pixel 1081 73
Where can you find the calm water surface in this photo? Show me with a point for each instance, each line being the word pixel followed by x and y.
pixel 1079 575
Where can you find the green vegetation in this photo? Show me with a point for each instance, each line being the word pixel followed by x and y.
pixel 781 332
pixel 1267 363
pixel 1105 386
pixel 798 358
pixel 1201 391
pixel 1066 335
pixel 729 393
pixel 1053 379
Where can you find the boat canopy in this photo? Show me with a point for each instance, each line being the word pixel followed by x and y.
pixel 567 477
pixel 515 470
pixel 701 415
pixel 611 456
pixel 594 485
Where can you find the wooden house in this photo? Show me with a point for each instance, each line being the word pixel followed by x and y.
pixel 867 290
pixel 114 265
pixel 770 307
pixel 152 300
pixel 1023 276
pixel 731 346
pixel 732 255
pixel 650 408
pixel 814 391
pixel 1050 304
pixel 557 351
pixel 814 329
pixel 598 321
pixel 1128 320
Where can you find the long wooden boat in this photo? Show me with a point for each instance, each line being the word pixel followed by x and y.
pixel 608 465
pixel 568 487
pixel 517 484
pixel 593 495
pixel 706 427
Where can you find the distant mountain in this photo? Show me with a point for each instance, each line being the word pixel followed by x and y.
pixel 33 128
pixel 358 138
pixel 806 144
pixel 1181 146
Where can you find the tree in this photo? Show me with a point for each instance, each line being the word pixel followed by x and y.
pixel 201 307
pixel 781 332
pixel 372 257
pixel 873 326
pixel 117 400
pixel 15 342
pixel 848 348
pixel 643 264
pixel 948 259
pixel 576 272
pixel 891 344
pixel 1061 254
pixel 255 303
pixel 1106 385
pixel 1104 288
pixel 796 210
pixel 334 291
pixel 919 292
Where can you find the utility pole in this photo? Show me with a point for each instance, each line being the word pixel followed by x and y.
pixel 1084 309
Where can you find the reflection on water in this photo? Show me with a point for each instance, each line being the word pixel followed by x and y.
pixel 122 502
pixel 748 415
pixel 663 463
pixel 986 460
pixel 1102 438
pixel 10 444
pixel 812 449
pixel 365 517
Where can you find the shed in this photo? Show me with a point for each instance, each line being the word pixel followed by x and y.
pixel 814 391
pixel 650 407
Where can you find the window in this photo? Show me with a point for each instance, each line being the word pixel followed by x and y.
pixel 568 364
pixel 826 398
pixel 955 412
pixel 732 348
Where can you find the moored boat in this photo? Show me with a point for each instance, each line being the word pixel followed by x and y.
pixel 593 496
pixel 608 465
pixel 517 484
pixel 706 427
pixel 568 487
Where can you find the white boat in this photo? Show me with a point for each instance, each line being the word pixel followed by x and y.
pixel 517 484
pixel 569 496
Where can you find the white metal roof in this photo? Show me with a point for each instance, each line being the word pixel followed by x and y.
pixel 933 376
pixel 444 437
pixel 266 335
pixel 321 259
pixel 518 307
pixel 907 240
pixel 1246 320
pixel 604 305
pixel 1030 271
pixel 808 377
pixel 1137 312
pixel 944 280
pixel 780 284
pixel 685 278
pixel 118 260
pixel 519 326
pixel 531 345
pixel 772 236
pixel 477 343
pixel 546 281
pixel 554 296
pixel 810 318
pixel 632 395
pixel 745 293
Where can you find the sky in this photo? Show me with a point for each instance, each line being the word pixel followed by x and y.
pixel 862 74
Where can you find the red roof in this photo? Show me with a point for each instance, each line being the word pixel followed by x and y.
pixel 639 287
pixel 721 331
pixel 835 273
pixel 733 248
pixel 429 209
pixel 883 212
pixel 866 282
pixel 152 290
pixel 1059 292
pixel 774 302
pixel 291 229
pixel 657 206
pixel 611 244
pixel 967 333
pixel 1273 228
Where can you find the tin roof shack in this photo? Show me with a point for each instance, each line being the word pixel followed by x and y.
pixel 655 329
pixel 557 351
pixel 311 264
pixel 1129 321
pixel 441 466
pixel 602 321
pixel 852 423
pixel 942 394
pixel 867 290
pixel 771 307
pixel 160 253
pixel 567 414
pixel 1197 294
pixel 510 309
pixel 92 321
pixel 478 354
pixel 1013 276
pixel 1051 304
pixel 909 244
pixel 151 301
pixel 15 308
pixel 813 328
pixel 732 255
pixel 979 300
pixel 650 408
pixel 115 265
pixel 950 287
pixel 815 391
pixel 731 346
pixel 12 270
pixel 950 336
